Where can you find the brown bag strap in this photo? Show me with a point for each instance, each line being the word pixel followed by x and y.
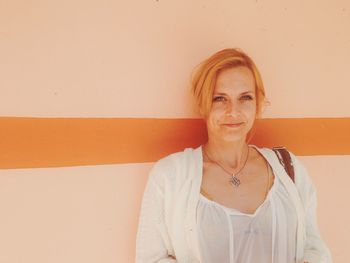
pixel 285 159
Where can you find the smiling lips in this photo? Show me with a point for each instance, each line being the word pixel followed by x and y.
pixel 233 124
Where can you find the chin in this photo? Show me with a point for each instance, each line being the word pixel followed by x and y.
pixel 234 137
pixel 229 135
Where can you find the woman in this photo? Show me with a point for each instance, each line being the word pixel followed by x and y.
pixel 227 201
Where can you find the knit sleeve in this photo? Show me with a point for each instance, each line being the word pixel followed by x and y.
pixel 315 249
pixel 152 241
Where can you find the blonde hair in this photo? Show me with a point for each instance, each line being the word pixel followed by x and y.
pixel 205 75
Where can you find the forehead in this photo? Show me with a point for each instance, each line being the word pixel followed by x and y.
pixel 237 79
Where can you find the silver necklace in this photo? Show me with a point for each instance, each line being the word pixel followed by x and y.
pixel 234 179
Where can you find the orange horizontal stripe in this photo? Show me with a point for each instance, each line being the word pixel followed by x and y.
pixel 55 142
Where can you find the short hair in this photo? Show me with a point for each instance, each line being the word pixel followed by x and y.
pixel 205 75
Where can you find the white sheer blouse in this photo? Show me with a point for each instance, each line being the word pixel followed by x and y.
pixel 227 235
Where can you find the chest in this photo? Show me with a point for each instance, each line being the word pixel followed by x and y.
pixel 247 197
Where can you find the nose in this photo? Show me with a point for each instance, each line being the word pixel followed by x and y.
pixel 232 108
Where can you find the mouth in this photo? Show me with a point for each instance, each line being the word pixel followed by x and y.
pixel 232 125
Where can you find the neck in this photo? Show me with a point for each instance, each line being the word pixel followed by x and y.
pixel 230 154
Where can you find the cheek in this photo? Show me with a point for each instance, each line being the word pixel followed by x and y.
pixel 250 109
pixel 213 119
pixel 218 110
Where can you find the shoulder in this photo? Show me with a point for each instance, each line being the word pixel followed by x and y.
pixel 171 167
pixel 271 155
pixel 301 174
pixel 175 159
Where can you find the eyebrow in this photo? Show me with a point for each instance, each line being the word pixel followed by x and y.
pixel 243 93
pixel 247 92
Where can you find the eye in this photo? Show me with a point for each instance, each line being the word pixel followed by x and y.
pixel 219 98
pixel 247 97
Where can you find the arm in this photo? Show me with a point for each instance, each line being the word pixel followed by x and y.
pixel 152 237
pixel 315 250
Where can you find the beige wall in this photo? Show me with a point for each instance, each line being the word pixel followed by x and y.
pixel 133 59
pixel 118 58
pixel 75 214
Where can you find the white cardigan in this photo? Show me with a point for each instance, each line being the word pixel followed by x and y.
pixel 167 223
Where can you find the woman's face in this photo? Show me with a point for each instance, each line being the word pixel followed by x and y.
pixel 234 105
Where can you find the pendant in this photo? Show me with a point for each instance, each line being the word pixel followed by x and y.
pixel 235 181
